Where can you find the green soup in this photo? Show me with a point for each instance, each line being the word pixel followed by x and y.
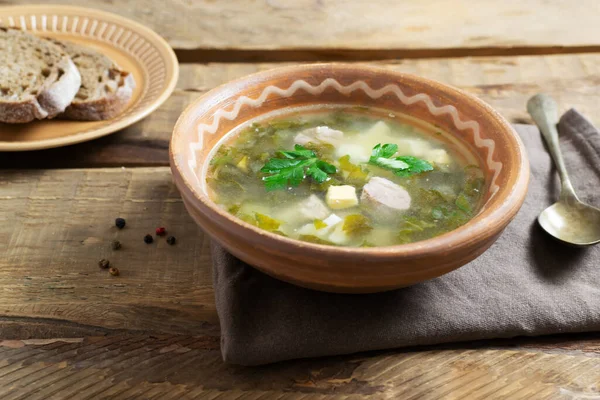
pixel 346 177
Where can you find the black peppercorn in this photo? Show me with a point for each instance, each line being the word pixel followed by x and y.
pixel 116 245
pixel 148 238
pixel 120 223
pixel 113 271
pixel 104 263
pixel 171 240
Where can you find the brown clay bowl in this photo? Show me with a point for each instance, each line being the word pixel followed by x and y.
pixel 339 269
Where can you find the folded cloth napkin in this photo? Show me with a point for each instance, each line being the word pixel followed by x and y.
pixel 527 283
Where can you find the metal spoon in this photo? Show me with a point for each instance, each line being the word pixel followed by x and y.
pixel 569 220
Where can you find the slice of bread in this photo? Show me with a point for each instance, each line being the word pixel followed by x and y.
pixel 37 78
pixel 105 88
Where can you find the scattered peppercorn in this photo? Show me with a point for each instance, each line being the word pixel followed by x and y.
pixel 116 245
pixel 148 239
pixel 113 271
pixel 171 240
pixel 161 231
pixel 104 263
pixel 120 223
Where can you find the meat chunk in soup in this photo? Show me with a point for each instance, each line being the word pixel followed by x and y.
pixel 319 135
pixel 385 197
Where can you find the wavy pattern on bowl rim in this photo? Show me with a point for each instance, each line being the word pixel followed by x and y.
pixel 473 126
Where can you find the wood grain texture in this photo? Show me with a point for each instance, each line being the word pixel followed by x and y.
pixel 338 25
pixel 506 83
pixel 56 226
pixel 189 367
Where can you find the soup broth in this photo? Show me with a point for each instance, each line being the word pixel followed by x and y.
pixel 346 177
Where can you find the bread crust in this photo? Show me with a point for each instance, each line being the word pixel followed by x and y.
pixel 107 107
pixel 61 93
pixel 57 92
pixel 119 85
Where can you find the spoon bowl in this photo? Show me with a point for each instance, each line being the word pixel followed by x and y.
pixel 569 220
pixel 577 224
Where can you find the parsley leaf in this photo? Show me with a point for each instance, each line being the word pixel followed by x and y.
pixel 385 151
pixel 383 156
pixel 294 168
pixel 316 173
pixel 415 166
pixel 298 152
pixel 390 163
pixel 277 164
pixel 325 166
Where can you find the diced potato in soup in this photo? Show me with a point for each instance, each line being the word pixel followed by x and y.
pixel 340 197
pixel 347 177
pixel 379 129
pixel 413 147
pixel 358 154
pixel 305 210
pixel 438 156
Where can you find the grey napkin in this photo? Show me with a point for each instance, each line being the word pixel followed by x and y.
pixel 526 284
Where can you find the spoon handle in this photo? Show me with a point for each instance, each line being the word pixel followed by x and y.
pixel 544 112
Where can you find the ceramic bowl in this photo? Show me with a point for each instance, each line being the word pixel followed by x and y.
pixel 342 269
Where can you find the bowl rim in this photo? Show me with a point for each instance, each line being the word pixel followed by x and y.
pixel 502 210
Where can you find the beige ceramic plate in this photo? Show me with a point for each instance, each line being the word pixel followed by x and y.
pixel 133 46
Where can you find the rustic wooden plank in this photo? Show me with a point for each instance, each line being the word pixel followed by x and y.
pixel 56 226
pixel 339 25
pixel 189 367
pixel 504 82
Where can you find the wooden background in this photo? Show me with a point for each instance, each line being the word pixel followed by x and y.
pixel 69 330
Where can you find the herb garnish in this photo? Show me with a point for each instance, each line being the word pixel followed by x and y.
pixel 356 224
pixel 383 156
pixel 294 167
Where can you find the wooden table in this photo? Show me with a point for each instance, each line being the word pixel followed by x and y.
pixel 70 330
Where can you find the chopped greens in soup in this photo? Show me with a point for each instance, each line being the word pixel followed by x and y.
pixel 346 177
